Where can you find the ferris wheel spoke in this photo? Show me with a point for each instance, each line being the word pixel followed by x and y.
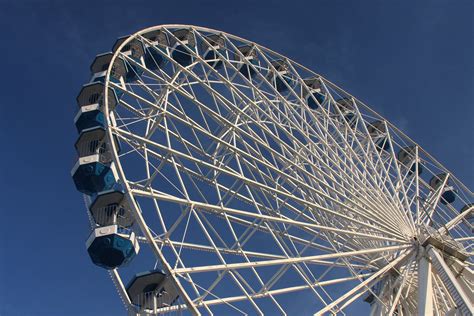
pixel 402 280
pixel 457 220
pixel 366 136
pixel 315 232
pixel 283 246
pixel 431 203
pixel 275 292
pixel 239 242
pixel 231 266
pixel 221 258
pixel 219 209
pixel 240 252
pixel 336 155
pixel 252 224
pixel 121 132
pixel 216 234
pixel 439 300
pixel 279 274
pixel 354 139
pixel 363 286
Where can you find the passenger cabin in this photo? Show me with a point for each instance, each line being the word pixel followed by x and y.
pixel 89 116
pixel 111 208
pixel 157 37
pixel 133 58
pixel 91 141
pixel 378 132
pixel 183 42
pixel 100 65
pixel 151 290
pixel 156 43
pixel 407 158
pixel 93 93
pixel 92 175
pixel 135 63
pixel 280 76
pixel 346 107
pixel 449 194
pixel 119 42
pixel 313 93
pixel 250 57
pixel 110 247
pixel 212 46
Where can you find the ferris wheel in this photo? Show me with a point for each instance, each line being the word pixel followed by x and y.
pixel 222 178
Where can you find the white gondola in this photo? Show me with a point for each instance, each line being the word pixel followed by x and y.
pixel 151 291
pixel 111 208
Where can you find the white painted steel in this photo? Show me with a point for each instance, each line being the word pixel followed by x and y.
pixel 246 196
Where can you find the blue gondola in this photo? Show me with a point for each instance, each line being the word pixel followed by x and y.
pixel 89 116
pixel 250 57
pixel 406 158
pixel 133 72
pixel 449 194
pixel 214 43
pixel 100 66
pixel 181 52
pixel 153 58
pixel 247 70
pixel 91 141
pixel 280 76
pixel 91 176
pixel 156 41
pixel 346 107
pixel 119 42
pixel 212 58
pixel 320 98
pixel 282 84
pixel 313 93
pixel 130 65
pixel 378 132
pixel 182 56
pixel 111 247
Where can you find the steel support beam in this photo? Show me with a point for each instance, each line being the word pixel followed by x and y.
pixel 462 299
pixel 425 287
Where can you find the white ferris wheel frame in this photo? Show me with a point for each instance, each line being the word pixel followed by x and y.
pixel 405 250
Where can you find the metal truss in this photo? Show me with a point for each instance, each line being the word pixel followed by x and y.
pixel 256 203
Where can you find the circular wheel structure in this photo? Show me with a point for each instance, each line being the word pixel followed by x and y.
pixel 223 178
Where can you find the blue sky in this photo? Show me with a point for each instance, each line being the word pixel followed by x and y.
pixel 412 61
